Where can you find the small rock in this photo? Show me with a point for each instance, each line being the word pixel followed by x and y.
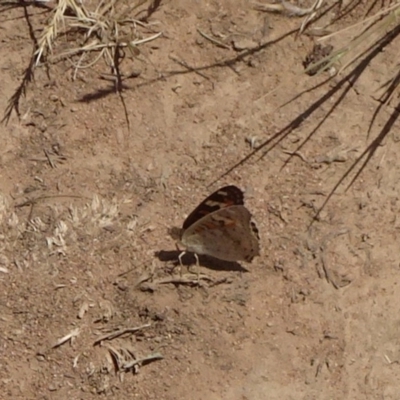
pixel 243 44
pixel 52 388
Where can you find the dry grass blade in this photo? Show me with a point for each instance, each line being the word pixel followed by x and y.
pixel 141 361
pixel 292 10
pixel 367 39
pixel 66 338
pixel 51 30
pixel 125 359
pixel 311 15
pixel 212 40
pixel 120 332
pixel 284 7
pixel 94 46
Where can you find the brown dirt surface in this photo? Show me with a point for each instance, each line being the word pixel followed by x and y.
pixel 87 204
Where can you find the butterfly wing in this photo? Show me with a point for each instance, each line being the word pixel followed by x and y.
pixel 228 234
pixel 224 197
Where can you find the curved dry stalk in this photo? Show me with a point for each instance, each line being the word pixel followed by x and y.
pixel 311 15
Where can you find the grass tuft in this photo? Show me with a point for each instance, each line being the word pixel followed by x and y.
pixel 373 30
pixel 99 33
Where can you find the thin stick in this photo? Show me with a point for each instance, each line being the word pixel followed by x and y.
pixel 372 17
pixel 139 362
pixel 189 278
pixel 66 338
pixel 115 334
pixel 285 7
pixel 212 40
pixel 99 46
pixel 296 153
pixel 52 165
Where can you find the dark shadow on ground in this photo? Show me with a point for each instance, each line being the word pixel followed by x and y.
pixel 344 85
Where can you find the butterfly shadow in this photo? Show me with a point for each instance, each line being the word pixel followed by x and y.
pixel 205 261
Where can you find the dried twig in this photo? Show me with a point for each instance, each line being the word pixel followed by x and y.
pixel 126 360
pixel 296 153
pixel 215 41
pixel 284 7
pixel 46 153
pixel 292 10
pixel 185 279
pixel 66 338
pixel 145 360
pixel 120 332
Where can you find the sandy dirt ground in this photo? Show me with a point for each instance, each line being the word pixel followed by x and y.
pixel 87 205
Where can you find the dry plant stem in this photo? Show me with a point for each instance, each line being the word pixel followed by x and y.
pixel 46 153
pixel 365 39
pixel 212 40
pixel 115 334
pixel 79 66
pixel 395 8
pixel 186 278
pixel 296 153
pixel 316 6
pixel 46 159
pixel 379 28
pixel 50 32
pixel 67 338
pixel 51 29
pixel 121 356
pixel 292 11
pixel 101 46
pixel 139 362
pixel 284 7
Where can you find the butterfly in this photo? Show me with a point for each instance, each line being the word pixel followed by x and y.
pixel 221 227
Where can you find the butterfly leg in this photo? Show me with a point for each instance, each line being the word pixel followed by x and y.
pixel 197 267
pixel 197 264
pixel 180 262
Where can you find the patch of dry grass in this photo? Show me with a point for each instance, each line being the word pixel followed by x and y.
pixel 103 32
pixel 368 33
pixel 50 227
pixel 369 30
pixel 85 33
